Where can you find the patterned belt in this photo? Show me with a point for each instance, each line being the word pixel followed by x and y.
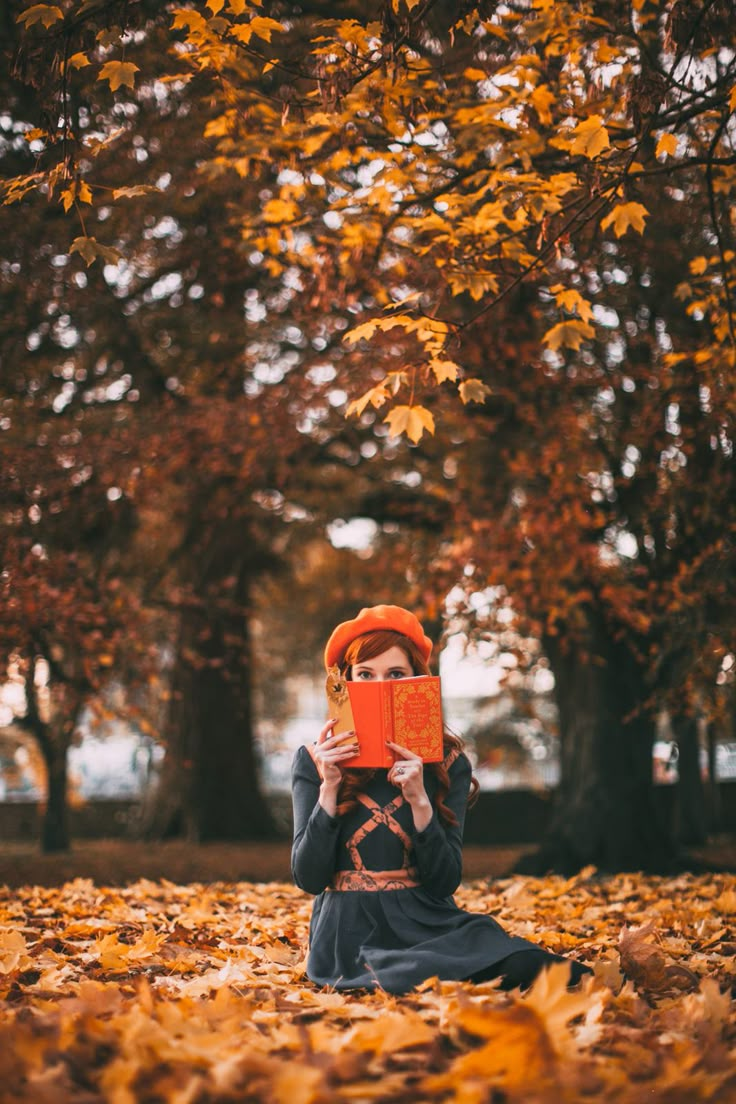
pixel 374 880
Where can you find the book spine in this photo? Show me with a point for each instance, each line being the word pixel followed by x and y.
pixel 387 728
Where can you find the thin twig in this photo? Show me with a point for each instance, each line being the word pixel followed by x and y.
pixel 719 233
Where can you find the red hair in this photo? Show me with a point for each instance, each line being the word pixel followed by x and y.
pixel 370 645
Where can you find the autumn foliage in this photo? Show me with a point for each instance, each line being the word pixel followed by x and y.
pixel 470 270
pixel 197 993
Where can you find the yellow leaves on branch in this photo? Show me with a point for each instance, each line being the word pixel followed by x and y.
pixel 413 419
pixel 625 216
pixel 430 332
pixel 118 74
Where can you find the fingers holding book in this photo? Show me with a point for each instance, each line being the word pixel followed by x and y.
pixel 333 749
pixel 407 772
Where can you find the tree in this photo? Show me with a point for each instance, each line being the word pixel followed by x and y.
pixel 498 167
pixel 63 599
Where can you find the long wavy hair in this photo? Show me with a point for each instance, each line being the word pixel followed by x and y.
pixel 355 779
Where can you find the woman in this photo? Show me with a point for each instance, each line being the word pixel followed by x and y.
pixel 382 849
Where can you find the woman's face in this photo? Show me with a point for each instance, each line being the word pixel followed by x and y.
pixel 391 664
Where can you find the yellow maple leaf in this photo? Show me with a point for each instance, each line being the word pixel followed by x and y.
pixel 444 370
pixel 411 420
pixel 78 61
pixel 118 73
pixel 184 17
pixel 556 1005
pixel 648 965
pixel 625 215
pixel 280 210
pixel 134 190
pixel 573 302
pixel 367 329
pixel 13 952
pixel 666 145
pixel 394 1031
pixel 515 1052
pixel 46 14
pixel 376 397
pixel 542 99
pixel 473 390
pixel 77 190
pixel 114 955
pixel 732 99
pixel 569 334
pixel 91 249
pixel 264 27
pixel 726 902
pixel 590 137
pixel 698 265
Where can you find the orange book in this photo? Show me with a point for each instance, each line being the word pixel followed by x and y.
pixel 406 711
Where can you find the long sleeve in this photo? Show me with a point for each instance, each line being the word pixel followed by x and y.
pixel 313 852
pixel 439 847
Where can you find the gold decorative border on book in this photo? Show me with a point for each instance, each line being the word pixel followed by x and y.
pixel 418 718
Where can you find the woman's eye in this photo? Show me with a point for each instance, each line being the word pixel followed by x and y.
pixel 364 675
pixel 398 674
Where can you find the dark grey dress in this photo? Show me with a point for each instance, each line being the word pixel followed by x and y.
pixel 384 914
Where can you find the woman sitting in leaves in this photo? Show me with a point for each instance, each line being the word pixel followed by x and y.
pixel 382 848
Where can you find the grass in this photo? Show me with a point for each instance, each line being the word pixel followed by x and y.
pixel 119 862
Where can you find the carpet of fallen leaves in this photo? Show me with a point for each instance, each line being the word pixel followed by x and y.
pixel 190 994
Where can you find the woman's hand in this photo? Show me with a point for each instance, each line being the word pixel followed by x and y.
pixel 407 774
pixel 329 752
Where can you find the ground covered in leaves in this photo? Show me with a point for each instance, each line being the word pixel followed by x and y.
pixel 191 994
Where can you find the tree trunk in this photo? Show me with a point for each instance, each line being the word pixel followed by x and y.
pixel 714 788
pixel 209 787
pixel 55 827
pixel 606 813
pixel 692 826
pixel 53 739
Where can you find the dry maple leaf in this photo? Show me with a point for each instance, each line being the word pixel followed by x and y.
pixel 556 1006
pixel 646 963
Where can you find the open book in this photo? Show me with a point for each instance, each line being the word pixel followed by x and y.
pixel 407 711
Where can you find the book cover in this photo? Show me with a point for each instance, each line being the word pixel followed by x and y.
pixel 406 711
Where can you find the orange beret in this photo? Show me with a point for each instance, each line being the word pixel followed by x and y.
pixel 371 619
